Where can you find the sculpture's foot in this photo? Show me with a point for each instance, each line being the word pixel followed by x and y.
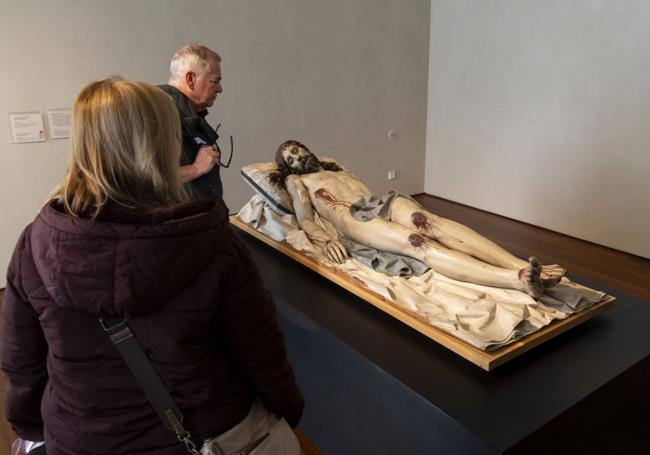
pixel 535 278
pixel 551 275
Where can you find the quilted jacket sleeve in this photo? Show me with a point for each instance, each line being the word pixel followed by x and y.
pixel 23 348
pixel 246 317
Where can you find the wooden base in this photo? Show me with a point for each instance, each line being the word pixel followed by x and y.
pixel 486 360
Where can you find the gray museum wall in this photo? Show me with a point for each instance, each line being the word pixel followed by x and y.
pixel 539 111
pixel 335 74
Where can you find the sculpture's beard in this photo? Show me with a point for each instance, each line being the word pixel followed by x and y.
pixel 309 164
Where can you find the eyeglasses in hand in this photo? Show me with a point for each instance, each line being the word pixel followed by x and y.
pixel 221 163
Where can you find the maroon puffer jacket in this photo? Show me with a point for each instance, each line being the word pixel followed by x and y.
pixel 195 302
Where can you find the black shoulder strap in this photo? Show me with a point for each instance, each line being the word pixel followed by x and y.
pixel 148 379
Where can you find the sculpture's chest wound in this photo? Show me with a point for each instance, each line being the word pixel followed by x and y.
pixel 331 190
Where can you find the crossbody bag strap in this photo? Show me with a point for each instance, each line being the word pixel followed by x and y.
pixel 148 380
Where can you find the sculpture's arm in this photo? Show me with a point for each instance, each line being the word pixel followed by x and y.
pixel 305 216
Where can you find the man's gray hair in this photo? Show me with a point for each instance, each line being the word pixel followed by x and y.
pixel 192 57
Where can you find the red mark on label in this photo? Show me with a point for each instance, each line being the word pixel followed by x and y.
pixel 416 240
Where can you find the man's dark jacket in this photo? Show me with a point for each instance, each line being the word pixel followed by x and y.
pixel 195 302
pixel 196 133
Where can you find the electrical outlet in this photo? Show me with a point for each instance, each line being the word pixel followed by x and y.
pixel 392 174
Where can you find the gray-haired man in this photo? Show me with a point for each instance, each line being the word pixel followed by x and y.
pixel 194 83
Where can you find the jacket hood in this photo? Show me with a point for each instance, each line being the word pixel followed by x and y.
pixel 126 268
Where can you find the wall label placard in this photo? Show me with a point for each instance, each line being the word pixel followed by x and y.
pixel 59 122
pixel 26 127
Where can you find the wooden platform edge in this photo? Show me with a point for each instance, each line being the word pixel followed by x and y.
pixel 485 360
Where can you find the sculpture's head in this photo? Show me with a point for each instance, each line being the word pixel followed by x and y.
pixel 292 157
pixel 295 158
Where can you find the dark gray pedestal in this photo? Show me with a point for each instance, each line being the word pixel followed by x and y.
pixel 374 385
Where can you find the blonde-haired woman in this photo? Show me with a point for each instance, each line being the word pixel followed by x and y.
pixel 119 239
pixel 125 147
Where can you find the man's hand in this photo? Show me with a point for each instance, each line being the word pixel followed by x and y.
pixel 207 158
pixel 336 252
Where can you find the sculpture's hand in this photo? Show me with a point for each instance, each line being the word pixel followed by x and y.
pixel 336 252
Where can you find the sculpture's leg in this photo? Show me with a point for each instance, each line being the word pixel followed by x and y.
pixel 461 238
pixel 395 238
pixel 452 234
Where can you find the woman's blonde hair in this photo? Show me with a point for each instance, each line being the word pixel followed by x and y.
pixel 125 146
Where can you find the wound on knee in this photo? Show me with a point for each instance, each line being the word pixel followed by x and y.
pixel 419 220
pixel 416 240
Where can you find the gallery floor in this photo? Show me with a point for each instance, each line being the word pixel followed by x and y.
pixel 613 269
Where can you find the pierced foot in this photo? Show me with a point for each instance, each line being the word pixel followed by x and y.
pixel 535 278
pixel 551 275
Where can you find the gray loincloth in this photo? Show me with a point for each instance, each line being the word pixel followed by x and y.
pixel 390 264
pixel 365 209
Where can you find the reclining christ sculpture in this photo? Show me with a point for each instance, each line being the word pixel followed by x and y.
pixel 397 224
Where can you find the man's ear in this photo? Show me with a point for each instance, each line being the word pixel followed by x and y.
pixel 190 79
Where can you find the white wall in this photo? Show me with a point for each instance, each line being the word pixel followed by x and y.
pixel 335 74
pixel 540 111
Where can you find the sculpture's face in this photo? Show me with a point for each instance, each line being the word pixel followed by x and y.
pixel 300 160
